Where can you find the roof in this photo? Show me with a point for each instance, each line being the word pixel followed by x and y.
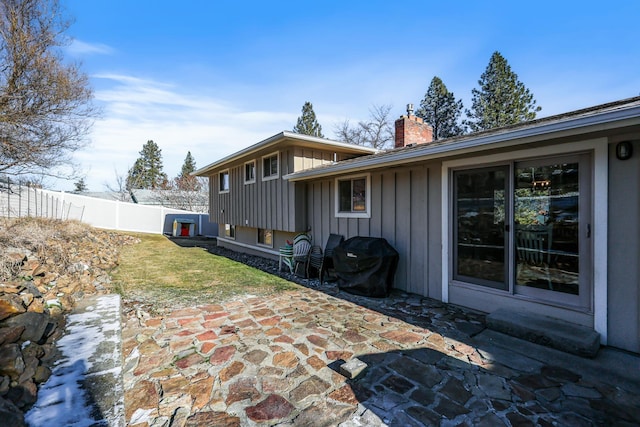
pixel 290 137
pixel 616 114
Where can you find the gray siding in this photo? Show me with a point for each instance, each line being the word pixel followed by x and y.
pixel 623 299
pixel 404 211
pixel 273 204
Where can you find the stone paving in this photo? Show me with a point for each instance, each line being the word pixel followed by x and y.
pixel 289 359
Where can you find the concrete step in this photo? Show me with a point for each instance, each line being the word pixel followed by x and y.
pixel 547 331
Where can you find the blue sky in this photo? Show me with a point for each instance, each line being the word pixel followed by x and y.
pixel 213 77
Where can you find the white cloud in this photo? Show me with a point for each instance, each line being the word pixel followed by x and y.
pixel 79 48
pixel 137 110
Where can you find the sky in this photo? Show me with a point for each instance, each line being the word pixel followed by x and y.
pixel 213 77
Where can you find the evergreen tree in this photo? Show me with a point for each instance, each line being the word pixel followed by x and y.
pixel 307 123
pixel 440 109
pixel 501 99
pixel 146 172
pixel 185 181
pixel 80 186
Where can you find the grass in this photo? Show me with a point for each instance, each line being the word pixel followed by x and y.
pixel 159 272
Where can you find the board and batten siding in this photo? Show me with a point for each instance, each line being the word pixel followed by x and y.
pixel 273 204
pixel 405 211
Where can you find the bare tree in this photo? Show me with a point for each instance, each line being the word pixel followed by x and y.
pixel 194 198
pixel 46 105
pixel 120 189
pixel 376 132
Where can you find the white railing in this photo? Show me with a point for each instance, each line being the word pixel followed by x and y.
pixel 21 200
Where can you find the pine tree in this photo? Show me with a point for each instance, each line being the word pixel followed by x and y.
pixel 307 123
pixel 80 186
pixel 146 172
pixel 185 181
pixel 501 99
pixel 440 109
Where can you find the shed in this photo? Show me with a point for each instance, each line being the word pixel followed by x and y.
pixel 184 227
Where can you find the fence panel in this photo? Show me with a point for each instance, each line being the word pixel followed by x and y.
pixel 19 201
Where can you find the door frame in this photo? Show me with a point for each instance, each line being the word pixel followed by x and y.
pixel 599 190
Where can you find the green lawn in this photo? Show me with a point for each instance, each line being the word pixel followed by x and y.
pixel 159 272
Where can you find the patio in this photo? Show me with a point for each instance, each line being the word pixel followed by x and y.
pixel 277 360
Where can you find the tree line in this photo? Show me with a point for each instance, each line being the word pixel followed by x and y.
pixel 499 100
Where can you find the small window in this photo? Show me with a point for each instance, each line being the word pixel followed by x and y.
pixel 230 231
pixel 224 181
pixel 250 172
pixel 353 197
pixel 265 237
pixel 270 166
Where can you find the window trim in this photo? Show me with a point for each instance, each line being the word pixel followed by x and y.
pixel 266 245
pixel 352 214
pixel 220 174
pixel 231 235
pixel 277 174
pixel 250 181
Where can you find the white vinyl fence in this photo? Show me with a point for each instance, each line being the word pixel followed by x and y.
pixel 20 200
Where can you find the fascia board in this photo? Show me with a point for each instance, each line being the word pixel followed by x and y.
pixel 603 121
pixel 282 136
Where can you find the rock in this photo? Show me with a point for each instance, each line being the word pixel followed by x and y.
pixel 24 394
pixel 4 385
pixel 11 362
pixel 27 299
pixel 10 414
pixel 30 366
pixel 42 374
pixel 34 323
pixel 10 305
pixel 10 334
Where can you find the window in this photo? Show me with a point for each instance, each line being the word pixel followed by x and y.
pixel 352 197
pixel 250 172
pixel 230 231
pixel 224 181
pixel 270 166
pixel 265 237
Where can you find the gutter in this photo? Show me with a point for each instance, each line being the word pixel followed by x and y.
pixel 472 144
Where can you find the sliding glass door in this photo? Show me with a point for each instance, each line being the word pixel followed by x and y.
pixel 525 228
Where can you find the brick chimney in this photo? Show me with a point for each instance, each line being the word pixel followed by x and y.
pixel 412 130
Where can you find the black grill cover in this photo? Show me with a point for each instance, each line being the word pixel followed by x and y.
pixel 365 266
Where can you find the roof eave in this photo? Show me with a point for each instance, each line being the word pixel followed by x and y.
pixel 284 135
pixel 607 119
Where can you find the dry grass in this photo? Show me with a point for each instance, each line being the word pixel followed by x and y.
pixel 162 274
pixel 47 240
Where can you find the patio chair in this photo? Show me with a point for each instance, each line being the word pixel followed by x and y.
pixel 315 260
pixel 327 260
pixel 301 249
pixel 286 257
pixel 534 248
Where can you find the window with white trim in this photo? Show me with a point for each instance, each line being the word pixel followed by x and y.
pixel 230 231
pixel 223 181
pixel 250 172
pixel 353 196
pixel 270 166
pixel 265 237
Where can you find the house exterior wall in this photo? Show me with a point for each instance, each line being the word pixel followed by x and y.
pixel 273 204
pixel 624 247
pixel 246 240
pixel 410 206
pixel 404 211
